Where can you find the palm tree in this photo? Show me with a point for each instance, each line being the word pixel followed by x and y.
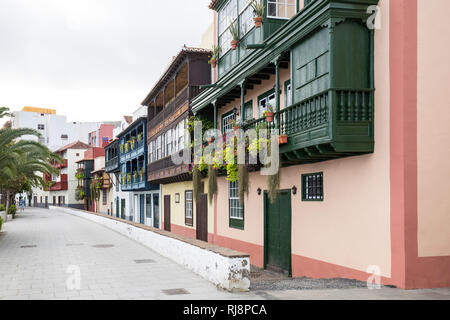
pixel 23 163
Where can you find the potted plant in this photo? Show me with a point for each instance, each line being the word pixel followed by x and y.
pixel 258 11
pixel 269 114
pixel 135 176
pixel 215 56
pixel 141 174
pixel 234 34
pixel 282 139
pixel 128 178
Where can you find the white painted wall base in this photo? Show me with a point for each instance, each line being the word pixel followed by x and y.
pixel 228 271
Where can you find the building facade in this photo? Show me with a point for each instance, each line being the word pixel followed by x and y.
pixel 62 188
pixel 141 202
pixel 169 110
pixel 351 96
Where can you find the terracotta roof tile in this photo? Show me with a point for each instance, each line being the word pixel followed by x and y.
pixel 73 145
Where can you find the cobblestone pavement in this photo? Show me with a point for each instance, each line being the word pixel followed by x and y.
pixel 41 250
pixel 38 248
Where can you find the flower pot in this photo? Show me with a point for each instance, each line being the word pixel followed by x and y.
pixel 258 21
pixel 210 140
pixel 213 64
pixel 282 139
pixel 234 44
pixel 269 116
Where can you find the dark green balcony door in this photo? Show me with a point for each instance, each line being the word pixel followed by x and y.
pixel 277 233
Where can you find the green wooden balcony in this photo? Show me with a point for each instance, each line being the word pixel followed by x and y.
pixel 332 124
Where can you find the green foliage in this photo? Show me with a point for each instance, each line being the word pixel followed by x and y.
pixel 243 181
pixel 258 8
pixel 79 194
pixel 12 211
pixel 79 175
pixel 1 223
pixel 273 181
pixel 197 182
pixel 234 30
pixel 212 182
pixel 2 207
pixel 216 50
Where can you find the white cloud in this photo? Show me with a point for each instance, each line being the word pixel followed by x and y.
pixel 91 59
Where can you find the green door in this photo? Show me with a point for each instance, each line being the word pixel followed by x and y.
pixel 277 242
pixel 122 215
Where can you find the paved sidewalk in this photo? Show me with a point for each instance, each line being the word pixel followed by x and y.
pixel 38 247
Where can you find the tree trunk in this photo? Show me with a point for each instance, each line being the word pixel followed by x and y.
pixel 7 205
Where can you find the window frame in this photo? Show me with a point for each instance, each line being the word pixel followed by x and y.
pixel 314 198
pixel 287 96
pixel 262 97
pixel 280 18
pixel 189 221
pixel 226 116
pixel 235 222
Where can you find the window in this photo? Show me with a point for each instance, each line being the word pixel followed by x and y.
pixel 227 120
pixel 188 207
pixel 234 10
pixel 264 100
pixel 105 197
pixel 248 111
pixel 246 21
pixel 312 187
pixel 169 142
pixel 158 148
pixel 41 127
pixel 148 206
pixel 288 93
pixel 284 9
pixel 227 15
pixel 236 209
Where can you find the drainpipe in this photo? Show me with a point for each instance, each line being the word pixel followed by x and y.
pixel 214 103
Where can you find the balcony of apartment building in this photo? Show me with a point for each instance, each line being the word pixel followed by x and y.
pixel 112 157
pixel 327 50
pixel 57 183
pixel 134 174
pixel 84 174
pixel 102 177
pixel 132 140
pixel 169 107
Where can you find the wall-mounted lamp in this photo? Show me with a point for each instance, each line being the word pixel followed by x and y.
pixel 259 191
pixel 236 111
pixel 294 190
pixel 177 198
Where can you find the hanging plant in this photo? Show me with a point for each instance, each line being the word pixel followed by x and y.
pixel 243 181
pixel 139 137
pixel 273 182
pixel 212 183
pixel 197 182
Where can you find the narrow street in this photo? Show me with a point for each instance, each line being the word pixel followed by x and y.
pixel 41 250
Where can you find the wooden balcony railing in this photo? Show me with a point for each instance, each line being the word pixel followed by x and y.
pixel 170 108
pixel 336 120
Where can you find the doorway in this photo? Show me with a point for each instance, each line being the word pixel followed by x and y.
pixel 277 232
pixel 142 209
pixel 167 212
pixel 202 218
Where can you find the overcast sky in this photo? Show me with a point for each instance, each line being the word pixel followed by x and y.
pixel 91 60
